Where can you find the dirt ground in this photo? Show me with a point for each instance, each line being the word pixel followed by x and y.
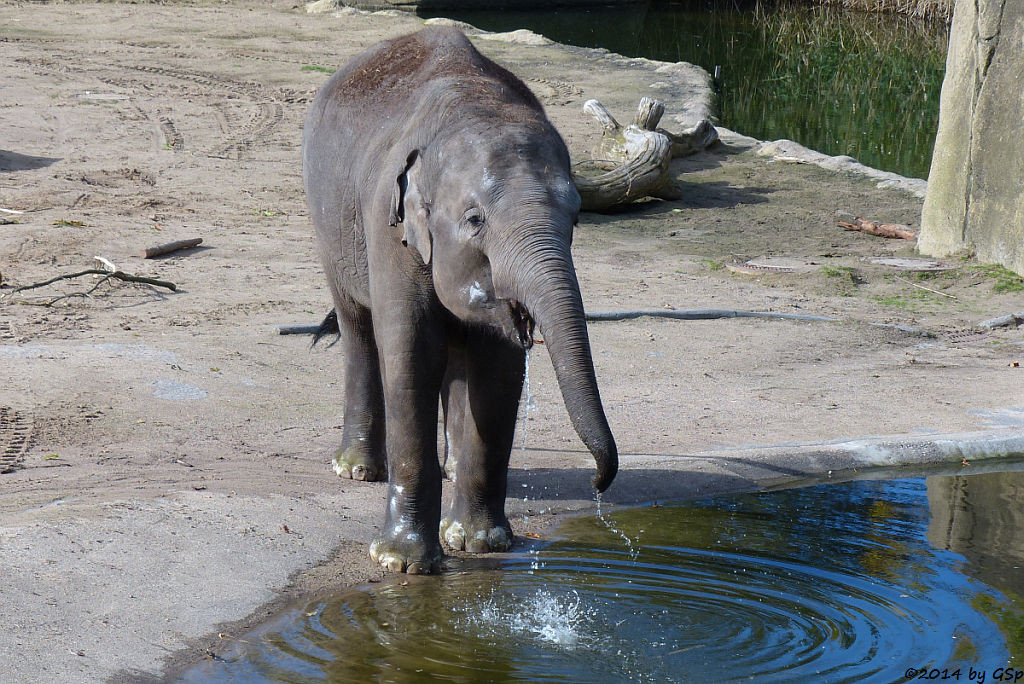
pixel 167 452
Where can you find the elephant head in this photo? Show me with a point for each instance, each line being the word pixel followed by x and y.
pixel 491 211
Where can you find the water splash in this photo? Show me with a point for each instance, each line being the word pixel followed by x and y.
pixel 558 620
pixel 634 552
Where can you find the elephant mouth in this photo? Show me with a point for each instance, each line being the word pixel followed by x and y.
pixel 523 323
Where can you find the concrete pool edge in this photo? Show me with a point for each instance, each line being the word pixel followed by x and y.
pixel 644 478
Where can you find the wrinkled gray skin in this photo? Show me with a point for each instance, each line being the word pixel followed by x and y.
pixel 444 210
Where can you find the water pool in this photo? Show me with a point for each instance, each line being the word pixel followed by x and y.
pixel 860 581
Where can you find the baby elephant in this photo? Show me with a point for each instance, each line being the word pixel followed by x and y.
pixel 444 209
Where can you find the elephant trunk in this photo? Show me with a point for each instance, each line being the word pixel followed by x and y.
pixel 545 283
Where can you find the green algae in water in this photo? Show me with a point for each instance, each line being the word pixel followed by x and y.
pixel 840 82
pixel 847 582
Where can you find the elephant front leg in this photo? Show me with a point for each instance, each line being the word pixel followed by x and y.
pixel 487 404
pixel 361 455
pixel 412 378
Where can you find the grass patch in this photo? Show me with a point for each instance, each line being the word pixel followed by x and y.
pixel 845 279
pixel 69 224
pixel 894 301
pixel 841 272
pixel 916 301
pixel 712 264
pixel 1006 280
pixel 318 68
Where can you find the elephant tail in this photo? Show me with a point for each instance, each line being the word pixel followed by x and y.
pixel 329 326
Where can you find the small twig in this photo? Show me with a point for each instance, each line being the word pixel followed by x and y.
pixel 10 211
pixel 922 287
pixel 159 250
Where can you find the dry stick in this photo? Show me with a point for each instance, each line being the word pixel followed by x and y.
pixel 298 329
pixel 151 252
pixel 926 289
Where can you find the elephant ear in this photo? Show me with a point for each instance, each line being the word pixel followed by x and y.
pixel 410 210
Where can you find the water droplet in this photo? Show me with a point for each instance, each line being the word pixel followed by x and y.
pixel 633 551
pixel 527 399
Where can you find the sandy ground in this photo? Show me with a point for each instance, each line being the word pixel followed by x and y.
pixel 167 452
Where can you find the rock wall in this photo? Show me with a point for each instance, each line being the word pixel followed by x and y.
pixel 975 200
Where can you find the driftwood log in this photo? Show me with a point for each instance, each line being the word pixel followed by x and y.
pixel 887 230
pixel 634 160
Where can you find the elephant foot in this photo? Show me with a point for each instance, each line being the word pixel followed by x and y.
pixel 358 464
pixel 409 556
pixel 476 537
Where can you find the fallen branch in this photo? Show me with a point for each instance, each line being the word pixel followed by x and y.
pixel 107 275
pixel 160 250
pixel 886 230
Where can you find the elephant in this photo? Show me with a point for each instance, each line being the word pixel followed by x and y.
pixel 444 208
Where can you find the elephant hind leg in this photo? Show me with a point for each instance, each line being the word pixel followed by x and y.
pixel 486 408
pixel 453 405
pixel 362 454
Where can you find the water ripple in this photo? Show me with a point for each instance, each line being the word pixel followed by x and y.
pixel 835 584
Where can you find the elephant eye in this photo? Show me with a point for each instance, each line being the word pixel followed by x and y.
pixel 475 218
